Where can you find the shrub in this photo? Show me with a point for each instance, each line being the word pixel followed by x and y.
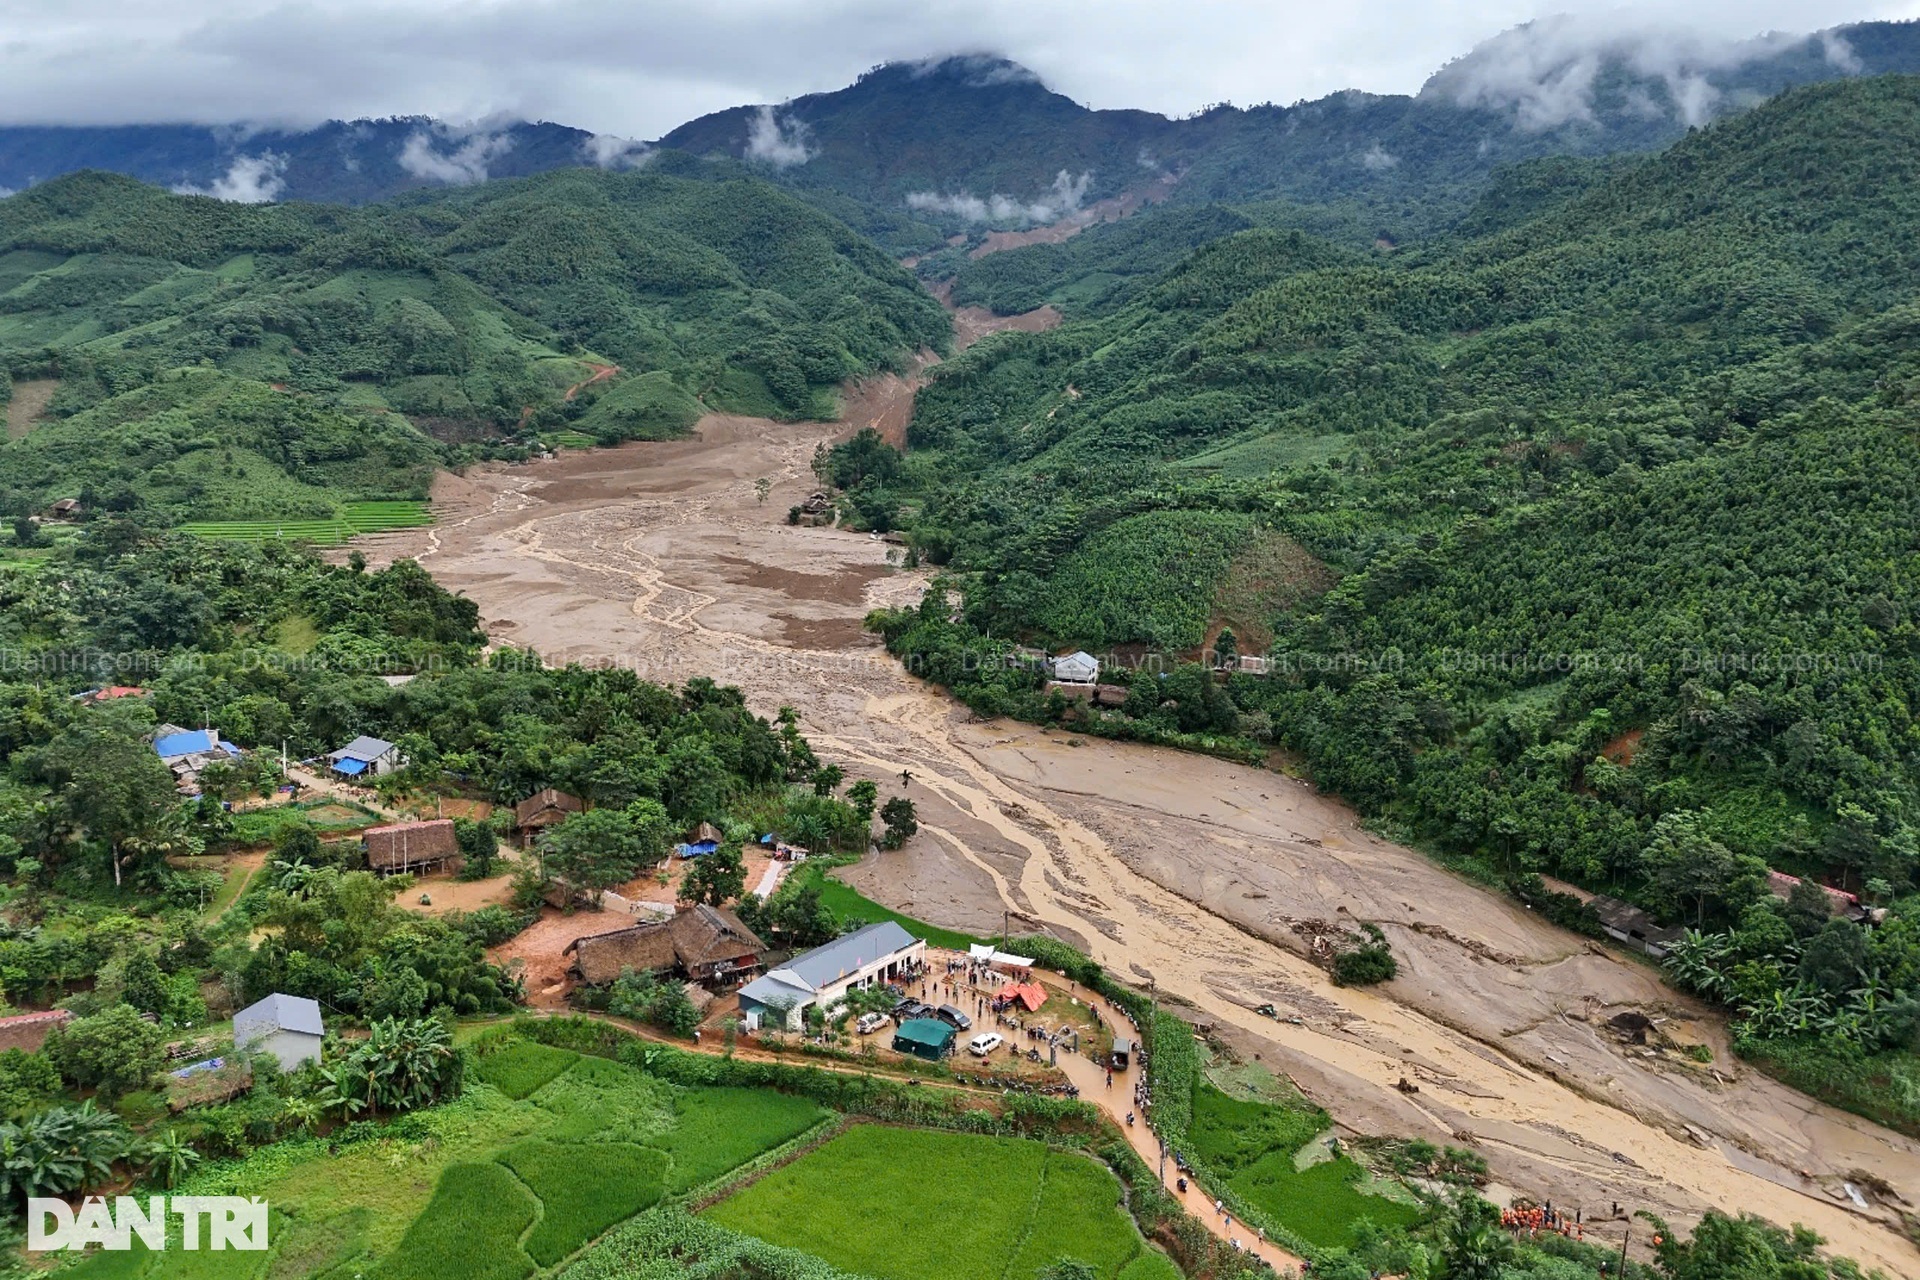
pixel 115 1050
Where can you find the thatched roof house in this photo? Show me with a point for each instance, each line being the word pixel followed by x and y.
pixel 28 1031
pixel 708 944
pixel 545 808
pixel 411 846
pixel 713 944
pixel 602 957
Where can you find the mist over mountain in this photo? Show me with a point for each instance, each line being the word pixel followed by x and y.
pixel 976 140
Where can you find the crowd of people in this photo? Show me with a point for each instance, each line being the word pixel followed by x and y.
pixel 1534 1219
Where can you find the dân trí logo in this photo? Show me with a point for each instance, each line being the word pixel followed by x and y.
pixel 206 1222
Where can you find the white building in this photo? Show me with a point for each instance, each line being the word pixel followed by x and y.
pixel 1076 668
pixel 823 976
pixel 288 1027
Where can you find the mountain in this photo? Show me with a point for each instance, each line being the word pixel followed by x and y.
pixel 1635 428
pixel 973 141
pixel 915 150
pixel 336 163
pixel 1584 546
pixel 218 359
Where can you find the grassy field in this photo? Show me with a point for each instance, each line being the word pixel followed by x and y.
pixel 911 1204
pixel 470 1230
pixel 544 1152
pixel 1256 1143
pixel 584 1190
pixel 523 1067
pixel 848 903
pixel 353 518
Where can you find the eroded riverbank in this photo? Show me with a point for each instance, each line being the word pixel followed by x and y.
pixel 1176 869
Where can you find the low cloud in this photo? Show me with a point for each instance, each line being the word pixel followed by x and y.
pixel 1545 72
pixel 1378 159
pixel 1838 53
pixel 976 70
pixel 610 151
pixel 463 166
pixel 248 180
pixel 1065 196
pixel 780 143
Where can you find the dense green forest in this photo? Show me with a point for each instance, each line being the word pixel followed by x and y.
pixel 1583 545
pixel 245 362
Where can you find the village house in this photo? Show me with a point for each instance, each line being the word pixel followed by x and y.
pixel 28 1031
pixel 708 945
pixel 544 809
pixel 1079 667
pixel 288 1027
pixel 427 845
pixel 366 757
pixel 1631 925
pixel 1839 901
pixel 187 751
pixel 822 977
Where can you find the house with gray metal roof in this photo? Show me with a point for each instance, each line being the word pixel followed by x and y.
pixel 366 757
pixel 875 954
pixel 288 1027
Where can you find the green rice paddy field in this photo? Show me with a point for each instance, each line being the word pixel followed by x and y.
pixel 916 1204
pixel 510 1181
pixel 354 518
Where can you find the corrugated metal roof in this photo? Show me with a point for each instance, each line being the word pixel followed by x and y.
pixel 363 748
pixel 824 966
pixel 191 742
pixel 277 1012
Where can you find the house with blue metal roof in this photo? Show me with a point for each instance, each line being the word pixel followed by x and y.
pixel 187 751
pixel 875 954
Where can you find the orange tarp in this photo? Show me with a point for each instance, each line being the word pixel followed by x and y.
pixel 1030 994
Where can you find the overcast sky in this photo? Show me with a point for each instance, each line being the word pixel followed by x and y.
pixel 639 67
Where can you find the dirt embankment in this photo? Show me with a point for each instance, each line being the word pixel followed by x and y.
pixel 1112 209
pixel 29 404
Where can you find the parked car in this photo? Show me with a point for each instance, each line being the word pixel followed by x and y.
pixel 985 1043
pixel 870 1023
pixel 909 1009
pixel 953 1017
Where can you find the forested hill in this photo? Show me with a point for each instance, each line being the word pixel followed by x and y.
pixel 1585 547
pixel 226 361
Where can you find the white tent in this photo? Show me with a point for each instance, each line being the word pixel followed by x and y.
pixel 980 951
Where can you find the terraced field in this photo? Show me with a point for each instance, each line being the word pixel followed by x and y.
pixel 354 518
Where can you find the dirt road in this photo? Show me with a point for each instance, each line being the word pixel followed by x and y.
pixel 1172 869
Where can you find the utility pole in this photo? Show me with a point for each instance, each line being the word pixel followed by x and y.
pixel 1624 1237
